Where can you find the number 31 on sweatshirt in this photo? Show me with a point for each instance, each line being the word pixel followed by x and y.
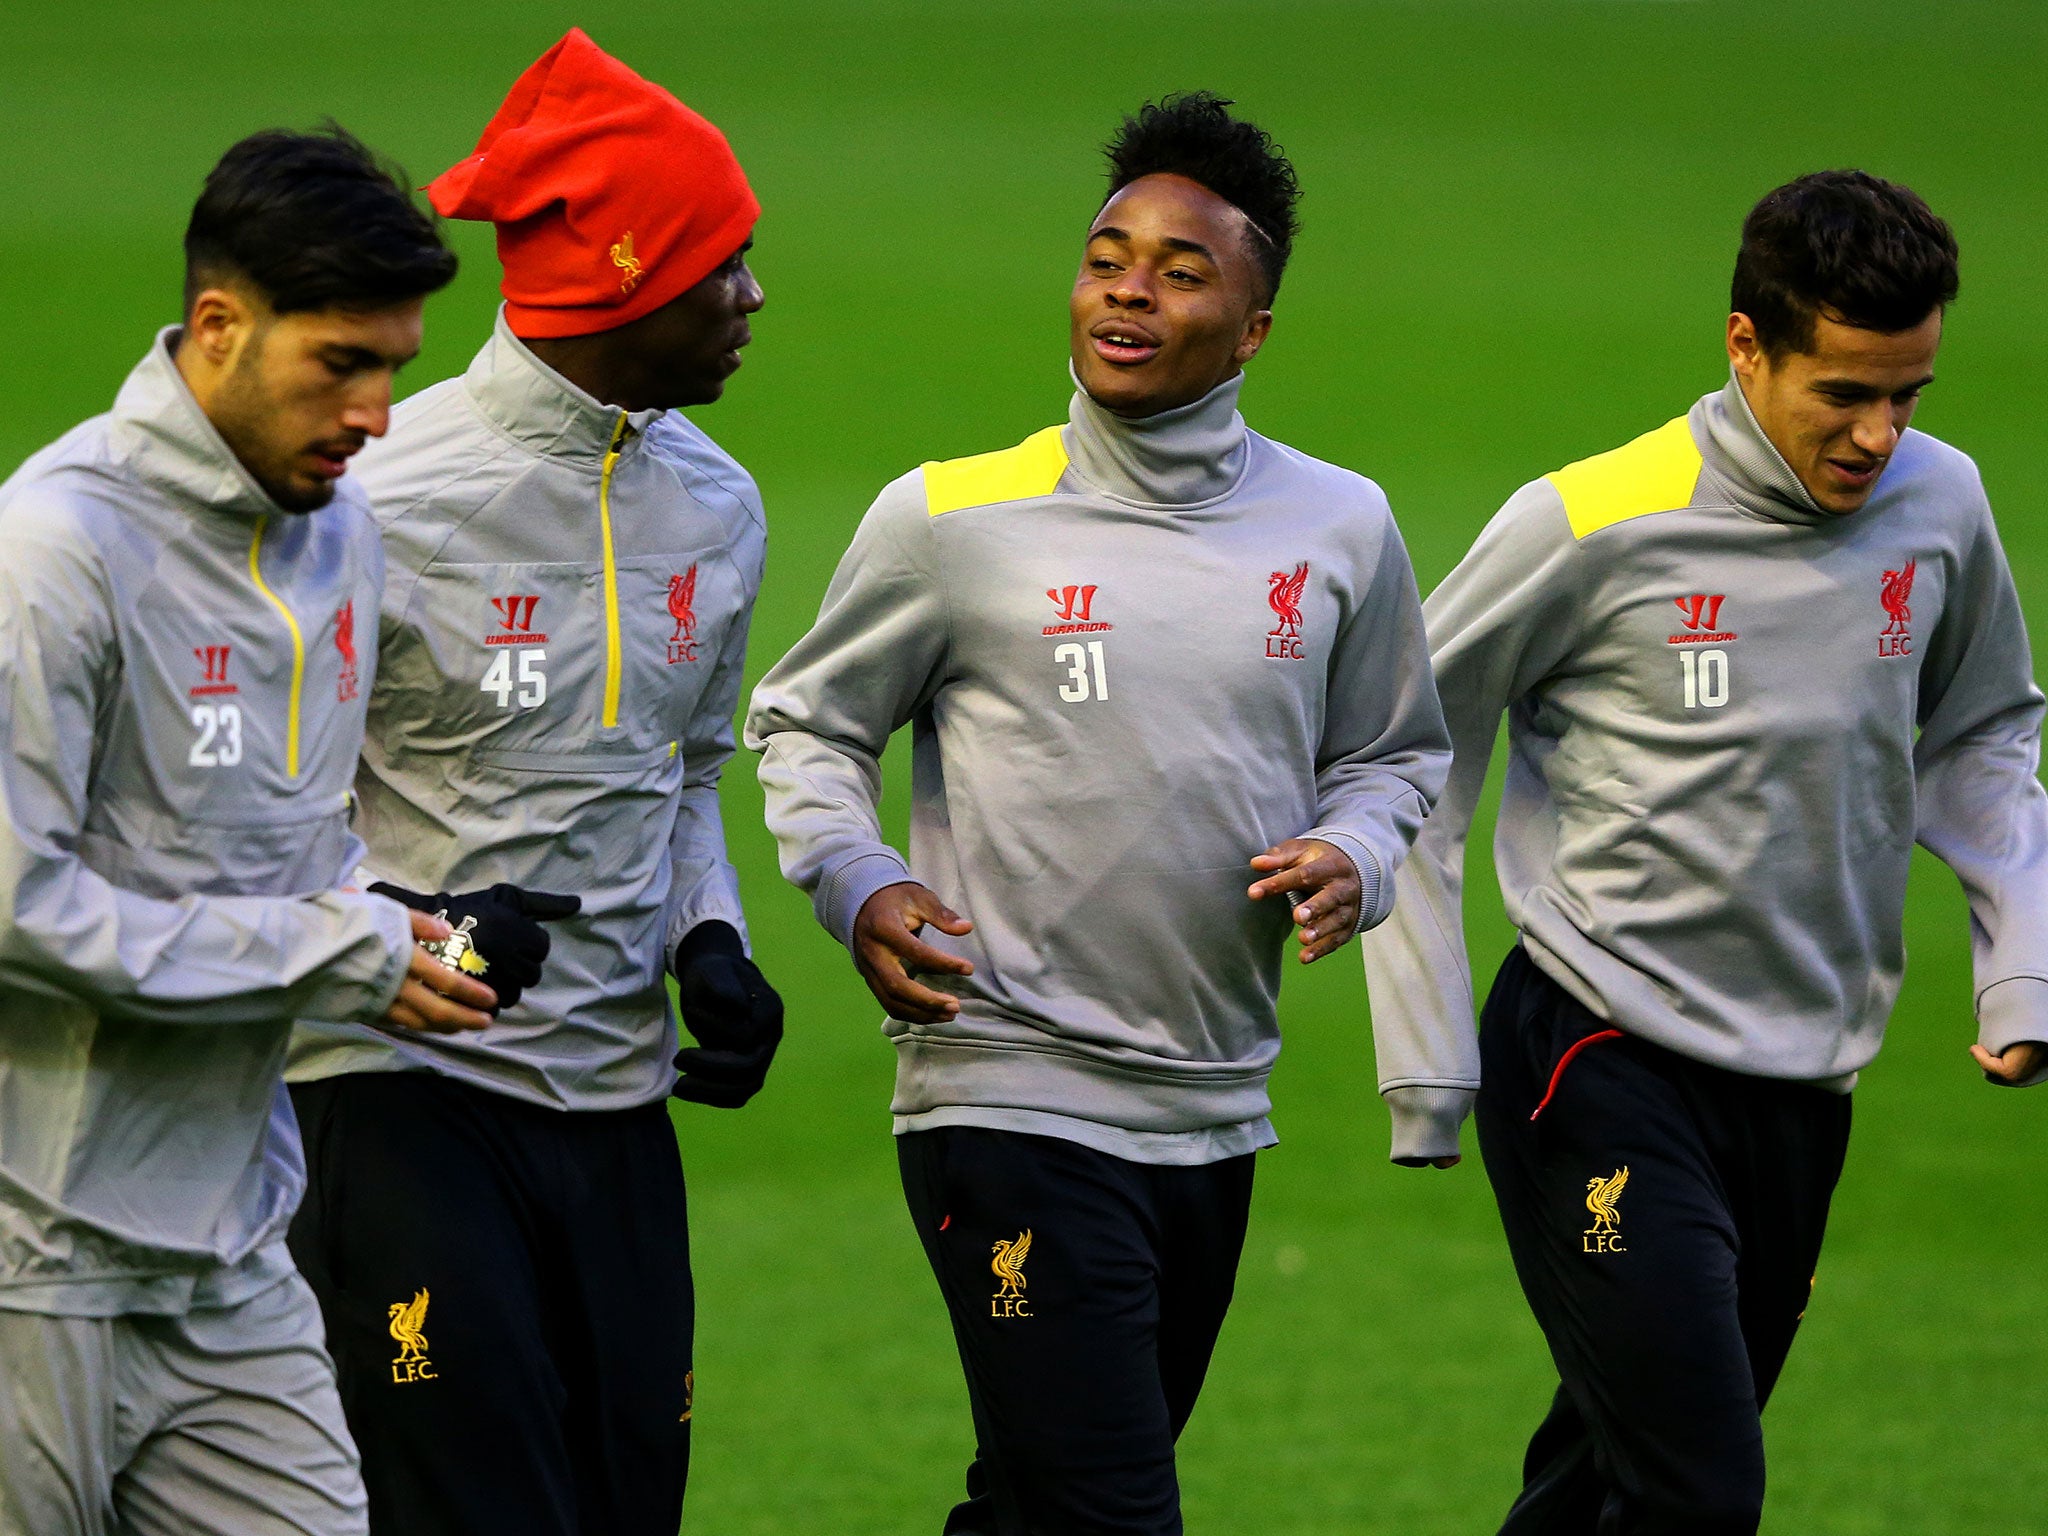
pixel 1082 662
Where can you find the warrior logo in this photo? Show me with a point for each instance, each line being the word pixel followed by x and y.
pixel 345 642
pixel 458 951
pixel 1603 1198
pixel 408 1319
pixel 1896 639
pixel 1283 596
pixel 1702 619
pixel 1008 1265
pixel 1072 602
pixel 1073 605
pixel 213 659
pixel 682 598
pixel 515 616
pixel 1701 610
pixel 629 266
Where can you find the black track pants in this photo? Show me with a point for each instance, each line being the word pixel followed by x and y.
pixel 1084 1360
pixel 508 1303
pixel 1665 1219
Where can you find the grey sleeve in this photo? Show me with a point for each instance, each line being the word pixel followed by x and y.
pixel 1497 625
pixel 67 932
pixel 1980 804
pixel 706 886
pixel 1384 752
pixel 823 714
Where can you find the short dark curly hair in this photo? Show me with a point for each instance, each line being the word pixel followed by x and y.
pixel 1192 134
pixel 313 221
pixel 1867 251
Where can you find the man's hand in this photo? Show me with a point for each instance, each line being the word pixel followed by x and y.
pixel 434 998
pixel 1329 917
pixel 735 1016
pixel 495 933
pixel 889 955
pixel 2018 1062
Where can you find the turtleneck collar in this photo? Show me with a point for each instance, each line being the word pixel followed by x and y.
pixel 172 444
pixel 1745 464
pixel 1182 457
pixel 536 407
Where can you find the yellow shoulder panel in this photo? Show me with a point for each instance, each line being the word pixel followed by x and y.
pixel 1655 473
pixel 1032 468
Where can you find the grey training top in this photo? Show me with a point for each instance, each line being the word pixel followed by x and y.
pixel 1730 716
pixel 564 624
pixel 181 703
pixel 1133 654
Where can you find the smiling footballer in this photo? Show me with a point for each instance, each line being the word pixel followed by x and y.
pixel 1159 670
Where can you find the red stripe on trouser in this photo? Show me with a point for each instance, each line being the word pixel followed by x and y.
pixel 1557 1076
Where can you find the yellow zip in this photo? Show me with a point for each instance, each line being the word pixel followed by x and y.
pixel 612 654
pixel 291 724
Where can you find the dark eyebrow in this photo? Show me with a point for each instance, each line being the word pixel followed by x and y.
pixel 360 358
pixel 1171 242
pixel 1858 389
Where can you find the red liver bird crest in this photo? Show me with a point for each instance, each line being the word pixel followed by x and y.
pixel 682 594
pixel 1897 594
pixel 1285 598
pixel 345 643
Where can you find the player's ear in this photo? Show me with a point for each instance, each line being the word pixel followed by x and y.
pixel 221 319
pixel 1256 329
pixel 1745 349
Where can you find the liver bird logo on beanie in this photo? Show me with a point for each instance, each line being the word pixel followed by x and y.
pixel 588 238
pixel 624 259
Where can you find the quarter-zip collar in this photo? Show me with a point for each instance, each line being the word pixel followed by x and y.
pixel 536 407
pixel 159 429
pixel 1182 457
pixel 172 446
pixel 1744 465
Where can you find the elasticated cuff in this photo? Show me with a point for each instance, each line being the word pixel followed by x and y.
pixel 2011 1011
pixel 683 924
pixel 846 890
pixel 1426 1120
pixel 394 924
pixel 1375 893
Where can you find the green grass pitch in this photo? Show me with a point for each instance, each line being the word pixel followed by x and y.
pixel 1520 219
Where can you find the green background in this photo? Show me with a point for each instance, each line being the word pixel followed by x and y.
pixel 1520 219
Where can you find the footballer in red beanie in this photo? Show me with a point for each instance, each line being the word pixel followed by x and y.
pixel 570 569
pixel 610 196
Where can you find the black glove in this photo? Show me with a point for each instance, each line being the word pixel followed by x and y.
pixel 734 1014
pixel 498 936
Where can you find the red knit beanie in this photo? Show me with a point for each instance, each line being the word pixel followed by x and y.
pixel 610 196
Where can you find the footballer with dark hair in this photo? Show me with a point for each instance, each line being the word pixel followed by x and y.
pixel 1747 661
pixel 188 621
pixel 570 572
pixel 1169 698
pixel 302 274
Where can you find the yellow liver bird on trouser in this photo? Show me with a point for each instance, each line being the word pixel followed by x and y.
pixel 407 1317
pixel 1008 1263
pixel 1601 1197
